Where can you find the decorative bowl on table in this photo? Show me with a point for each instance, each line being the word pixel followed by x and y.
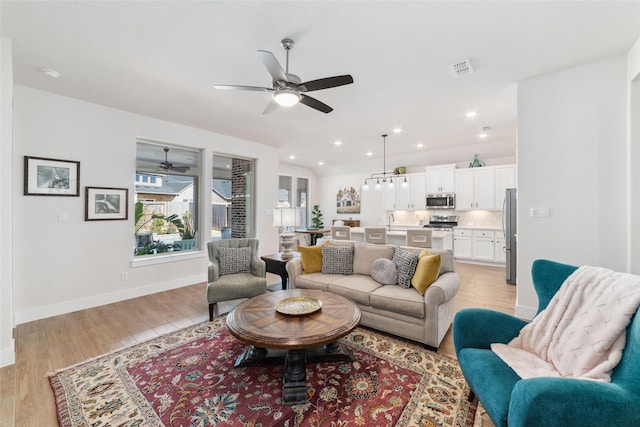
pixel 298 306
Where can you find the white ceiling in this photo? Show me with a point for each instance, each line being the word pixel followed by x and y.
pixel 161 59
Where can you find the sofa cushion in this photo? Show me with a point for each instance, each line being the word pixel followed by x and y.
pixel 398 300
pixel 384 271
pixel 427 271
pixel 405 262
pixel 446 257
pixel 337 259
pixel 364 254
pixel 310 259
pixel 356 287
pixel 234 260
pixel 317 281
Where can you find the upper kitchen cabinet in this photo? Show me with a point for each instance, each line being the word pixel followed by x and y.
pixel 475 189
pixel 412 195
pixel 483 188
pixel 440 179
pixel 505 177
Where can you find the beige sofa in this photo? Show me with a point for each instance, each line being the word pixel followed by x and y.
pixel 389 308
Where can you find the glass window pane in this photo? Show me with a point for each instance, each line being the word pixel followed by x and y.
pixel 166 211
pixel 285 194
pixel 302 198
pixel 232 199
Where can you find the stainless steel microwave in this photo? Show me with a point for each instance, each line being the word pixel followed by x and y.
pixel 441 201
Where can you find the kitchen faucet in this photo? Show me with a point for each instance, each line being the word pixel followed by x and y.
pixel 390 219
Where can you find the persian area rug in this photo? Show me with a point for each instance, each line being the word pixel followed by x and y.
pixel 187 378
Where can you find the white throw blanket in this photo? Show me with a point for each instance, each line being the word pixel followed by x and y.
pixel 581 333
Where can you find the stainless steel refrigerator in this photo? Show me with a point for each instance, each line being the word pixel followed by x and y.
pixel 510 228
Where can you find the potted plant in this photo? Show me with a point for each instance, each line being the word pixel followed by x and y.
pixel 316 217
pixel 187 234
pixel 144 243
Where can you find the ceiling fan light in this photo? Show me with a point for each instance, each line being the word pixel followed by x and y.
pixel 286 97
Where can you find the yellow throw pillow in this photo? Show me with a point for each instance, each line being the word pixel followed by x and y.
pixel 310 258
pixel 427 271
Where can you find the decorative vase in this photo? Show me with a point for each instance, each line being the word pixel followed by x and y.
pixel 475 163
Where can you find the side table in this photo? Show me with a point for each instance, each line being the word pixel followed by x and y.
pixel 276 265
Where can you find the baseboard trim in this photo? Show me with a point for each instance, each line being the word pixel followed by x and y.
pixel 30 315
pixel 8 355
pixel 526 313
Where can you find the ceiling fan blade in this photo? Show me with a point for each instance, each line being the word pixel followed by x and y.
pixel 314 103
pixel 273 66
pixel 253 88
pixel 181 169
pixel 325 83
pixel 271 107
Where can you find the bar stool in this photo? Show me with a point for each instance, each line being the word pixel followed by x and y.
pixel 377 235
pixel 341 233
pixel 420 238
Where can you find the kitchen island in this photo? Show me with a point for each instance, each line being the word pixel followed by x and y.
pixel 397 235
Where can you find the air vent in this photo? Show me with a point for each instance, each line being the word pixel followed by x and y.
pixel 461 68
pixel 486 128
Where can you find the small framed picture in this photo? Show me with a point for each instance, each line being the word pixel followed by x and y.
pixel 51 177
pixel 106 203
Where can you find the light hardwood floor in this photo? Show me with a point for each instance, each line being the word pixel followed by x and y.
pixel 54 343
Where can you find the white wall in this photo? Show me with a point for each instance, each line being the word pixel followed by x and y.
pixel 7 354
pixel 572 159
pixel 633 156
pixel 65 266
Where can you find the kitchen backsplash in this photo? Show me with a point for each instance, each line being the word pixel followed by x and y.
pixel 492 219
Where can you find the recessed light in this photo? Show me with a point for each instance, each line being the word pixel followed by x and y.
pixel 420 145
pixel 483 135
pixel 338 143
pixel 397 130
pixel 50 73
pixel 471 114
pixel 369 153
pixel 292 157
pixel 320 163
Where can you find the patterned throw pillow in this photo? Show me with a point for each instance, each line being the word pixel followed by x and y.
pixel 337 259
pixel 234 260
pixel 384 271
pixel 405 262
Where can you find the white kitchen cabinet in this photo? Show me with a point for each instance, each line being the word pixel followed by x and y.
pixel 412 195
pixel 483 245
pixel 475 188
pixel 388 196
pixel 480 245
pixel 440 179
pixel 500 248
pixel 504 177
pixel 462 244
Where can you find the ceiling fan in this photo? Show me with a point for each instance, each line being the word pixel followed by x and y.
pixel 168 166
pixel 288 89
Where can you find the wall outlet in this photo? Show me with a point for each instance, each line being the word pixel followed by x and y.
pixel 63 216
pixel 539 212
pixel 124 276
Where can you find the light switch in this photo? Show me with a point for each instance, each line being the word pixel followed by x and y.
pixel 539 212
pixel 63 216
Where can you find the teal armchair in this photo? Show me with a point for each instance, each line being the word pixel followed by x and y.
pixel 549 402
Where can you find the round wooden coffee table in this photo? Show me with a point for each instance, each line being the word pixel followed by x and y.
pixel 292 339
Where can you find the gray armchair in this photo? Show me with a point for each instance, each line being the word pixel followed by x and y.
pixel 246 284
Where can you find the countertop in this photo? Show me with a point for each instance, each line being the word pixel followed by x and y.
pixel 400 230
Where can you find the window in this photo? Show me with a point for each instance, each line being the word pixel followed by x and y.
pixel 232 198
pixel 302 200
pixel 166 211
pixel 285 192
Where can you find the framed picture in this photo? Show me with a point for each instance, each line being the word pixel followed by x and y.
pixel 106 203
pixel 51 177
pixel 348 200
